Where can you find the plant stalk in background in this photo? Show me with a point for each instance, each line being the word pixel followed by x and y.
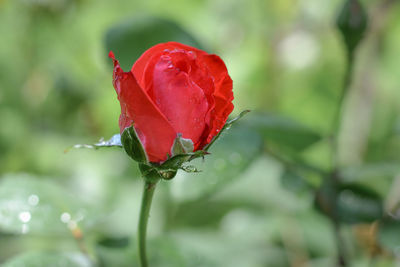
pixel 352 24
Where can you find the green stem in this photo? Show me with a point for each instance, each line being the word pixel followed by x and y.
pixel 337 117
pixel 335 145
pixel 147 197
pixel 341 261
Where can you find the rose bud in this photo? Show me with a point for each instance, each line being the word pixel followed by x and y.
pixel 175 100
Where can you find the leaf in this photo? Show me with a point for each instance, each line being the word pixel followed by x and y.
pixel 116 252
pixel 53 259
pixel 388 233
pixel 349 203
pixel 294 182
pixel 130 38
pixel 281 131
pixel 31 205
pixel 358 204
pixel 114 141
pixel 133 146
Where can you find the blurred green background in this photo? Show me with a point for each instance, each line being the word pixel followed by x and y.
pixel 268 195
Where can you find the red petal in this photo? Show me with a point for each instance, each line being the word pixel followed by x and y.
pixel 155 132
pixel 151 57
pixel 223 94
pixel 178 97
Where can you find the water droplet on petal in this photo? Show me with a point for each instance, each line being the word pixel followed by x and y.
pixel 170 66
pixel 192 55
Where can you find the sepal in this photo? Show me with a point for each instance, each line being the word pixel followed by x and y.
pixel 227 125
pixel 133 146
pixel 114 141
pixel 167 170
pixel 181 145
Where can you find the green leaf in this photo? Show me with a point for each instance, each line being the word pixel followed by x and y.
pixel 282 132
pixel 388 233
pixel 53 259
pixel 38 206
pixel 358 204
pixel 133 146
pixel 130 38
pixel 294 182
pixel 349 203
pixel 352 22
pixel 114 141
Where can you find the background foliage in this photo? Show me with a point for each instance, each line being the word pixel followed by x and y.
pixel 273 191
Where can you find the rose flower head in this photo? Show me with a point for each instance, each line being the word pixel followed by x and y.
pixel 174 101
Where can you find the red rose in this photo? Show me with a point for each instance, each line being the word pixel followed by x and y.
pixel 173 90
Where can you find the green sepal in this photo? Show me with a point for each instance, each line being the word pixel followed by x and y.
pixel 114 141
pixel 227 125
pixel 132 145
pixel 169 168
pixel 182 145
pixel 352 22
pixel 153 175
pixel 176 161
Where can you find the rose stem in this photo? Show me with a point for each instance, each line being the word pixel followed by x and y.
pixel 147 197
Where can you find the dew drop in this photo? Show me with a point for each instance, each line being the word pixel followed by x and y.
pixel 33 200
pixel 170 66
pixel 24 216
pixel 65 217
pixel 192 55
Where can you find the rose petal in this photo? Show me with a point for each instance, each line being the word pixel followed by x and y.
pixel 223 94
pixel 154 130
pixel 180 99
pixel 151 57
